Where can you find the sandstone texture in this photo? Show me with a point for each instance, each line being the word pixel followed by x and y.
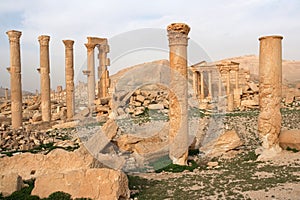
pixel 290 139
pixel 229 140
pixel 10 183
pixel 96 184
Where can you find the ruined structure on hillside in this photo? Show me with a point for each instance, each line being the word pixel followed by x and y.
pixel 213 81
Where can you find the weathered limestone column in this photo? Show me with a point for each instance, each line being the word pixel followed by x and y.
pixel 195 83
pixel 178 134
pixel 6 93
pixel 209 85
pixel 230 103
pixel 236 79
pixel 102 70
pixel 201 86
pixel 270 83
pixel 90 72
pixel 228 83
pixel 45 78
pixel 15 78
pixel 220 85
pixel 70 98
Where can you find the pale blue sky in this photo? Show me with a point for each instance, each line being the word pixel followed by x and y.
pixel 220 28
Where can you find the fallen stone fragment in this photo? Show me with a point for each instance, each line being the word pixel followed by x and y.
pixel 290 138
pixel 224 143
pixel 87 183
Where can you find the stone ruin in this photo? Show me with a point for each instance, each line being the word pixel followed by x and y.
pixel 58 108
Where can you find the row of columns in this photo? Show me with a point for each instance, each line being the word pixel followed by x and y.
pixel 199 85
pixel 103 75
pixel 44 70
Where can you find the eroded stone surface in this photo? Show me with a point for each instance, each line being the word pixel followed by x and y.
pixel 178 133
pixel 88 183
pixel 270 84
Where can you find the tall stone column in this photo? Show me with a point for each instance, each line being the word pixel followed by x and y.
pixel 195 83
pixel 178 134
pixel 90 73
pixel 201 86
pixel 102 70
pixel 45 78
pixel 236 79
pixel 6 93
pixel 70 98
pixel 15 78
pixel 220 85
pixel 228 83
pixel 210 85
pixel 270 86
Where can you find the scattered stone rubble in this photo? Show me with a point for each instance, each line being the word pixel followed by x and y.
pixel 150 97
pixel 29 123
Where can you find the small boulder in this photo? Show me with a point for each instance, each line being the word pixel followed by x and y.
pixel 227 141
pixel 290 138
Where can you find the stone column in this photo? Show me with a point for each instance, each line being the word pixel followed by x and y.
pixel 230 103
pixel 220 85
pixel 90 73
pixel 45 78
pixel 201 86
pixel 236 79
pixel 210 85
pixel 70 98
pixel 228 83
pixel 15 78
pixel 6 93
pixel 178 134
pixel 195 83
pixel 270 79
pixel 102 70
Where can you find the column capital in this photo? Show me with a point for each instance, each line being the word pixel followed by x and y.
pixel 13 35
pixel 177 33
pixel 89 46
pixel 44 40
pixel 68 43
pixel 271 37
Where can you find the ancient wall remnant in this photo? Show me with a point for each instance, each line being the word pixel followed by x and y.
pixel 270 83
pixel 69 70
pixel 45 77
pixel 15 78
pixel 178 133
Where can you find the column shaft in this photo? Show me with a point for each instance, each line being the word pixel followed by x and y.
pixel 15 78
pixel 201 86
pixel 236 79
pixel 210 84
pixel 70 98
pixel 91 73
pixel 270 82
pixel 228 83
pixel 45 78
pixel 6 93
pixel 178 133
